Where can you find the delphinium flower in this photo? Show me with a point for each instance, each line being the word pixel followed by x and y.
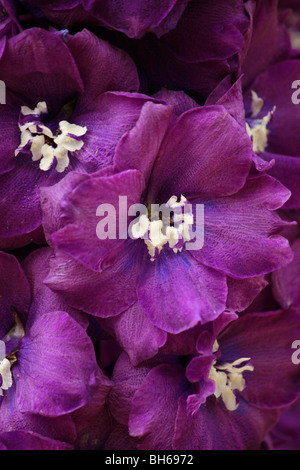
pixel 9 23
pixel 53 86
pixel 272 121
pixel 143 288
pixel 48 365
pixel 221 398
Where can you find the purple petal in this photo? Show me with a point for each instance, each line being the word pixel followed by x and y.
pixel 36 267
pixel 79 238
pixel 102 66
pixel 205 153
pixel 14 292
pixel 267 339
pixel 57 370
pixel 154 404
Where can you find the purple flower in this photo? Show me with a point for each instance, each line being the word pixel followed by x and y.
pixel 141 291
pixel 9 24
pixel 286 434
pixel 54 118
pixel 47 360
pixel 226 399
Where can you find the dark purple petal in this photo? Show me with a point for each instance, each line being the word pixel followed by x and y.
pixel 268 33
pixel 56 370
pixel 136 17
pixel 139 148
pixel 242 292
pixel 36 267
pixel 37 64
pixel 14 292
pixel 205 153
pixel 154 403
pixel 28 440
pixel 102 67
pixel 176 292
pixel 213 427
pixel 91 291
pixel 136 334
pixel 79 238
pixel 286 281
pixel 241 232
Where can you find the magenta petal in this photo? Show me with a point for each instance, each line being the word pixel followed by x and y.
pixel 57 369
pixel 93 421
pixel 10 136
pixel 126 379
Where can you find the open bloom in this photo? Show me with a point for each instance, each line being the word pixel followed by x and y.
pixel 145 287
pixel 218 400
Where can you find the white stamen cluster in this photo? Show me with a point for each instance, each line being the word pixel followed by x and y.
pixel 228 377
pixel 158 233
pixel 5 372
pixel 39 137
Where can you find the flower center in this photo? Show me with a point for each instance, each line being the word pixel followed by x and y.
pixel 39 140
pixel 167 224
pixel 228 377
pixel 258 131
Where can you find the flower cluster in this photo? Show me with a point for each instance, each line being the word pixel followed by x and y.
pixel 150 234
